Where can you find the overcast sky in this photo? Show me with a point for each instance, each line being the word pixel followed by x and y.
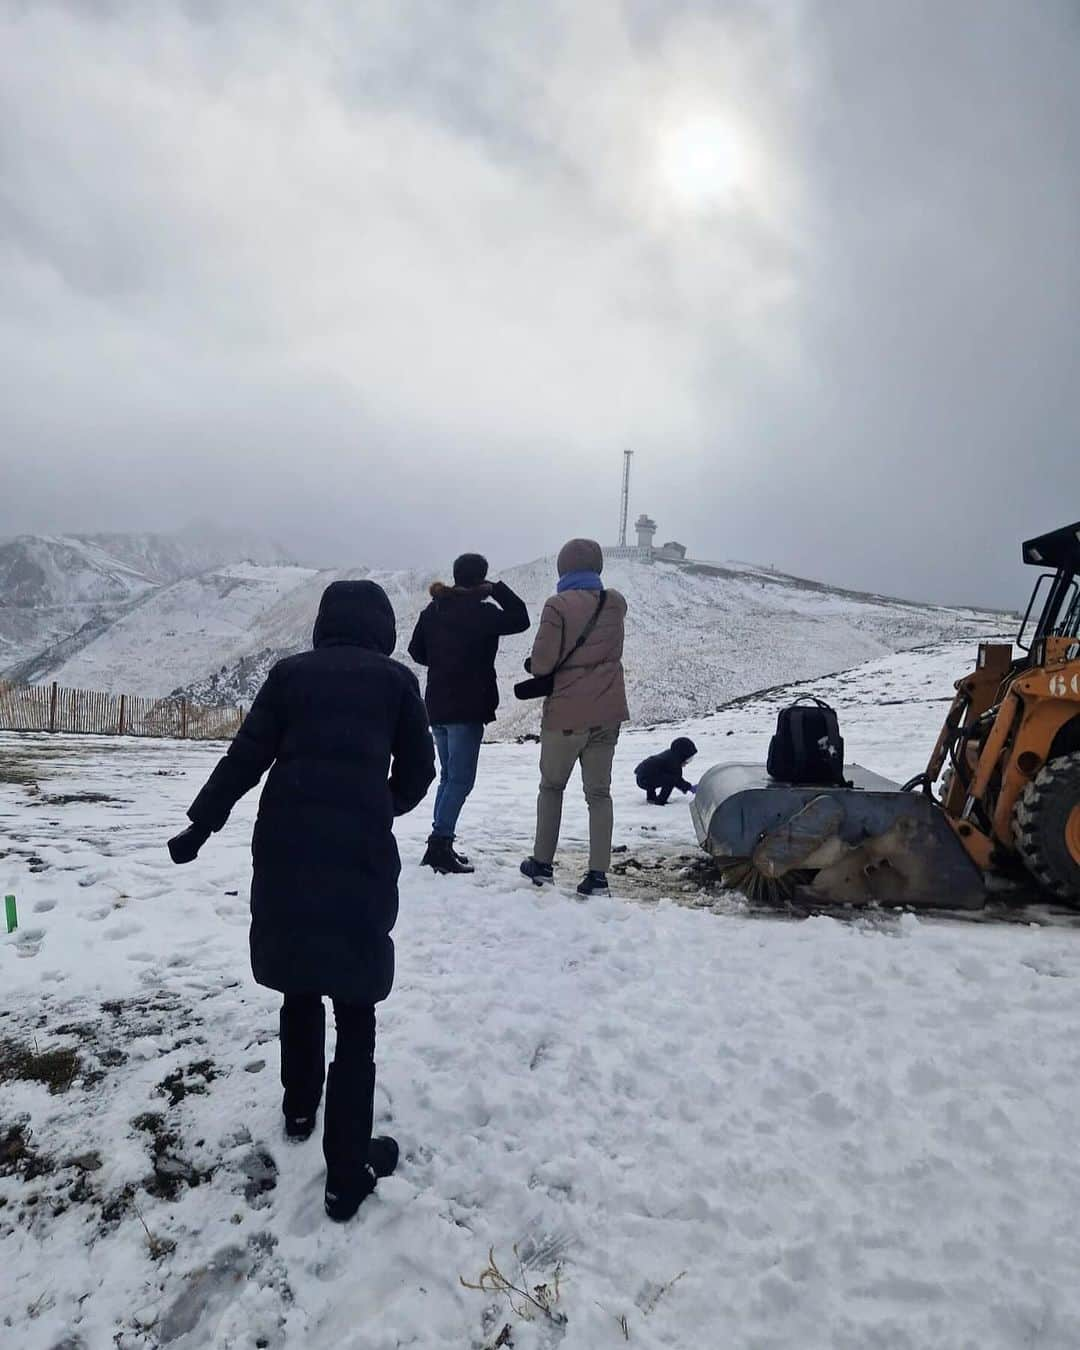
pixel 389 280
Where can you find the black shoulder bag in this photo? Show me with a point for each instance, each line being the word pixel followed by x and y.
pixel 540 686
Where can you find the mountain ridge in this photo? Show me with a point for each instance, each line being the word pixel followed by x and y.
pixel 698 633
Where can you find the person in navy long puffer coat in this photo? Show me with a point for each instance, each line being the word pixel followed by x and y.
pixel 343 731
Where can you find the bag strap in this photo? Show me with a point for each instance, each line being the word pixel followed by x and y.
pixel 812 698
pixel 586 633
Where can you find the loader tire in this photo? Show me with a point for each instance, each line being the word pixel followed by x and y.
pixel 1046 827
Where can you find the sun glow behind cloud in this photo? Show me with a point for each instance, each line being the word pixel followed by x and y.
pixel 704 162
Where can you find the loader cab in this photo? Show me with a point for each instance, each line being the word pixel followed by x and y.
pixel 1054 608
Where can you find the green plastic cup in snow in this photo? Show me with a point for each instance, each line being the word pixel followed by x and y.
pixel 11 914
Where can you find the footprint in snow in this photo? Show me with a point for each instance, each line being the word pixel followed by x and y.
pixel 29 941
pixel 122 931
pixel 43 906
pixel 310 1215
pixel 231 916
pixel 827 1111
pixel 332 1266
pixel 261 1173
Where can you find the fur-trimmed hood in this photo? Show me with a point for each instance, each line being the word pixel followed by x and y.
pixel 438 589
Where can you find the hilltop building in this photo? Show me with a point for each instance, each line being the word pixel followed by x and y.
pixel 645 550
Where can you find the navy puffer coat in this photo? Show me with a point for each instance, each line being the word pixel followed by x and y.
pixel 343 731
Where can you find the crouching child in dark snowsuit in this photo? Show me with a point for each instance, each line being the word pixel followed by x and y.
pixel 661 774
pixel 343 731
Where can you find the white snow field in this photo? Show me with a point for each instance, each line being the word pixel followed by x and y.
pixel 721 1131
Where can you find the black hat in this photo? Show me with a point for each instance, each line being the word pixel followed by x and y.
pixel 684 747
pixel 470 570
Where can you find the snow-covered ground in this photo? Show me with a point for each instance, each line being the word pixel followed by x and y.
pixel 721 1131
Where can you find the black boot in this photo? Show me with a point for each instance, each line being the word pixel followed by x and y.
pixel 594 883
pixel 441 858
pixel 383 1155
pixel 540 874
pixel 343 1199
pixel 347 1142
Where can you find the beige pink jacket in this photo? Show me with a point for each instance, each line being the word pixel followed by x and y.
pixel 589 690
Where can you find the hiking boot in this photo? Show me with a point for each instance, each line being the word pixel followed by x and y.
pixel 299 1128
pixel 442 859
pixel 343 1200
pixel 540 874
pixel 383 1155
pixel 594 883
pixel 461 857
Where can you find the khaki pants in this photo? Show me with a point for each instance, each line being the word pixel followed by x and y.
pixel 559 752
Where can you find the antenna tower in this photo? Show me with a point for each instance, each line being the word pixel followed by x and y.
pixel 624 513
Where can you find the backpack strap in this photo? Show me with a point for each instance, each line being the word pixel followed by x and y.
pixel 812 698
pixel 586 633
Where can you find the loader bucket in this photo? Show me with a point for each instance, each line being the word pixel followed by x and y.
pixel 869 843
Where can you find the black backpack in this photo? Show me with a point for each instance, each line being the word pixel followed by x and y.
pixel 807 747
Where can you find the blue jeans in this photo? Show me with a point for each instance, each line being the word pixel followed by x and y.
pixel 458 744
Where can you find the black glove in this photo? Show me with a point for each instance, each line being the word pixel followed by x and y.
pixel 184 847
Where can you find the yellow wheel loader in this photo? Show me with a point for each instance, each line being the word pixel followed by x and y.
pixel 997 808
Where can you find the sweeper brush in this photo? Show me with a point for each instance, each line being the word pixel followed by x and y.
pixel 760 888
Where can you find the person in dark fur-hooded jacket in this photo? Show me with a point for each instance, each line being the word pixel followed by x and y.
pixel 342 730
pixel 457 639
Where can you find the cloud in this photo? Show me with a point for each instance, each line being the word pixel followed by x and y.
pixel 395 279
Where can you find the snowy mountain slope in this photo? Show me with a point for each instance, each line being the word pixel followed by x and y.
pixel 696 636
pixel 53 588
pixel 41 572
pixel 176 632
pixel 198 548
pixel 723 1131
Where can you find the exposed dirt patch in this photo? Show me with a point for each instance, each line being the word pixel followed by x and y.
pixel 191 1081
pixel 18 769
pixel 17 1157
pixel 77 798
pixel 171 1171
pixel 66 1181
pixel 55 1068
pixel 34 861
pixel 147 1015
pixel 51 1180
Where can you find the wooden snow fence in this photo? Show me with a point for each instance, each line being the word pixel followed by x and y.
pixel 89 712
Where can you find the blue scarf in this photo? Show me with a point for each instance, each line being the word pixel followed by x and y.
pixel 580 581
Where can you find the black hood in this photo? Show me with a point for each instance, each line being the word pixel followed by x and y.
pixel 684 748
pixel 355 614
